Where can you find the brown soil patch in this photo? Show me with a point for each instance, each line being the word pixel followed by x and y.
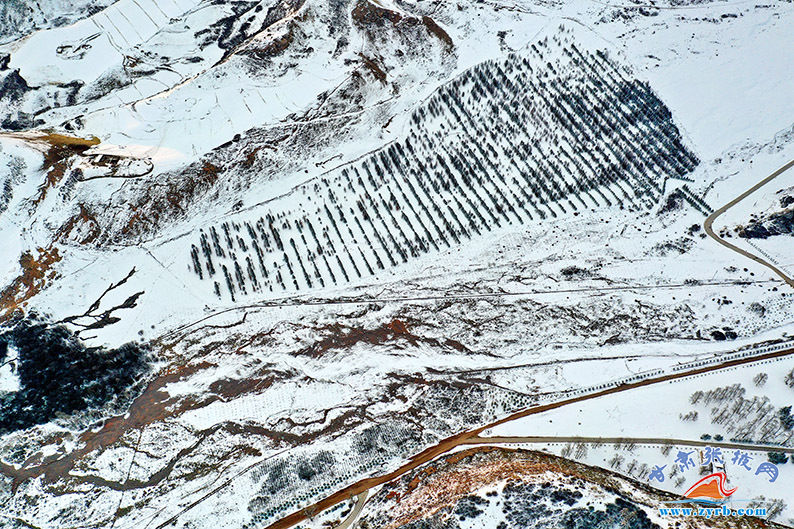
pixel 36 272
pixel 373 68
pixel 150 210
pixel 366 13
pixel 56 160
pixel 275 46
pixel 438 31
pixel 443 485
pixel 340 336
pixel 81 228
pixel 430 491
pixel 136 216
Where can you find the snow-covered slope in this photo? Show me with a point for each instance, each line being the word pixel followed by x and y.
pixel 340 232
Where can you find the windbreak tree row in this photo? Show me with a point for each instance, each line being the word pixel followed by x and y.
pixel 521 140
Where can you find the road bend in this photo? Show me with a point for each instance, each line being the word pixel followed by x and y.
pixel 466 438
pixel 707 225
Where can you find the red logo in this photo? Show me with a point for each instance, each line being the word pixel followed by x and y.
pixel 711 487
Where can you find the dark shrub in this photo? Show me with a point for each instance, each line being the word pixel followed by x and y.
pixel 59 374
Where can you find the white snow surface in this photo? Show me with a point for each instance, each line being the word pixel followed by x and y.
pixel 537 309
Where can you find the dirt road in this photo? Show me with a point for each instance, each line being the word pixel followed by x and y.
pixel 353 516
pixel 464 438
pixel 299 301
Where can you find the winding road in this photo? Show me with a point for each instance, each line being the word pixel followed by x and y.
pixel 361 488
pixel 361 500
pixel 707 225
pixel 473 436
pixel 353 516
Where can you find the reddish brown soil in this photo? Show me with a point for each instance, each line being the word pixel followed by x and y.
pixel 366 13
pixel 453 477
pixel 373 68
pixel 450 443
pixel 82 222
pixel 150 210
pixel 56 160
pixel 339 336
pixel 438 31
pixel 36 271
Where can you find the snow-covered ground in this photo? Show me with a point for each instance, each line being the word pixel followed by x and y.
pixel 664 411
pixel 213 113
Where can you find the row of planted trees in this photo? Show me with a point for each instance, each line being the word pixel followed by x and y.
pixel 523 140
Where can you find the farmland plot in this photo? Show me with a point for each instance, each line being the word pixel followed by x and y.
pixel 555 130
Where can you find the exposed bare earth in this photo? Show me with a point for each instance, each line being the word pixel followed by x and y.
pixel 434 489
pixel 466 437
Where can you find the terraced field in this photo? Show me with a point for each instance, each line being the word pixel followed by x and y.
pixel 553 131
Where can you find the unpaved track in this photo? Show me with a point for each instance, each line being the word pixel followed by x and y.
pixel 707 225
pixel 353 516
pixel 465 438
pixel 362 498
pixel 300 301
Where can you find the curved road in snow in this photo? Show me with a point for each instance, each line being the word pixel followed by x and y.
pixel 707 225
pixel 470 436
